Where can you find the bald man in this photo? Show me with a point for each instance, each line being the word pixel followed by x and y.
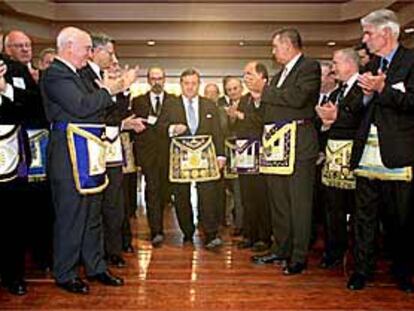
pixel 76 193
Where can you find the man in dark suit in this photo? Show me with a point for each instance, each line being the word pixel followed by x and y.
pixel 103 56
pixel 337 179
pixel 290 100
pixel 19 48
pixel 151 149
pixel 248 125
pixel 13 179
pixel 233 90
pixel 383 154
pixel 67 100
pixel 192 114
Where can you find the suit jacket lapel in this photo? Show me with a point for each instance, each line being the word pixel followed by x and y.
pixel 395 63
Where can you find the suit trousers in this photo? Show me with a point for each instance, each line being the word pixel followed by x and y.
pixel 113 212
pixel 338 203
pixel 156 190
pixel 290 202
pixel 78 233
pixel 129 185
pixel 41 224
pixel 13 230
pixel 256 220
pixel 397 198
pixel 208 208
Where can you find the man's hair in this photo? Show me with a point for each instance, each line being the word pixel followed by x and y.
pixel 155 67
pixel 350 54
pixel 227 79
pixel 189 72
pixel 291 34
pixel 383 19
pixel 262 70
pixel 100 39
pixel 46 51
pixel 214 85
pixel 68 34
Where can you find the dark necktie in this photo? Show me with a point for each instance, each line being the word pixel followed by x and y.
pixel 341 93
pixel 157 105
pixel 384 65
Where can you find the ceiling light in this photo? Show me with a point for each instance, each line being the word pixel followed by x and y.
pixel 331 43
pixel 150 42
pixel 409 30
pixel 242 43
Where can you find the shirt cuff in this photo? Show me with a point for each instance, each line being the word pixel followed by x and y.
pixel 325 128
pixel 171 131
pixel 9 92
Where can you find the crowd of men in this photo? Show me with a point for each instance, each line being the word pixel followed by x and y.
pixel 330 135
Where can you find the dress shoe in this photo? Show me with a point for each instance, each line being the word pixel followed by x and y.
pixel 294 268
pixel 107 278
pixel 128 249
pixel 157 240
pixel 405 284
pixel 213 243
pixel 188 240
pixel 330 263
pixel 267 259
pixel 75 286
pixel 116 261
pixel 260 246
pixel 356 281
pixel 236 232
pixel 244 244
pixel 17 288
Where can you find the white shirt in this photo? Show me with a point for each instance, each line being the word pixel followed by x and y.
pixel 96 69
pixel 350 83
pixel 288 68
pixel 73 68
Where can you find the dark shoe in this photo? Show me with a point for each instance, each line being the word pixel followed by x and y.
pixel 214 244
pixel 128 249
pixel 106 278
pixel 330 263
pixel 237 232
pixel 188 240
pixel 260 246
pixel 17 288
pixel 406 284
pixel 116 261
pixel 267 259
pixel 356 281
pixel 294 268
pixel 157 240
pixel 75 286
pixel 244 244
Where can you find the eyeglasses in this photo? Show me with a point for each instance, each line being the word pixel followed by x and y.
pixel 26 45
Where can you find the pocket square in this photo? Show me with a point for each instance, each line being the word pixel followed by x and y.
pixel 399 87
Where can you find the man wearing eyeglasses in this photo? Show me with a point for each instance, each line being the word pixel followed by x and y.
pixel 18 46
pixel 151 148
